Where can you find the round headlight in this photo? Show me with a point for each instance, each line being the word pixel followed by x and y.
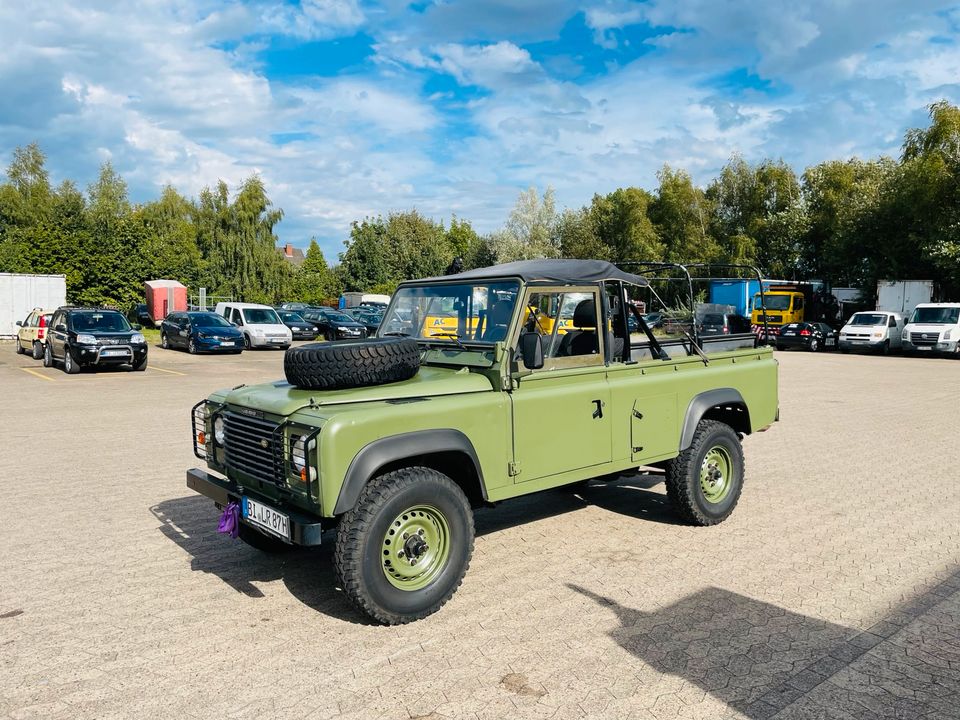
pixel 218 430
pixel 299 455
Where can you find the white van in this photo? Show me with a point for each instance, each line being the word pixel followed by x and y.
pixel 933 327
pixel 875 330
pixel 260 324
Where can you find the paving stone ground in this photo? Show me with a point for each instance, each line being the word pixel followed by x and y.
pixel 832 592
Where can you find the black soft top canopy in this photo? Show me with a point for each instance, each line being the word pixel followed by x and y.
pixel 568 272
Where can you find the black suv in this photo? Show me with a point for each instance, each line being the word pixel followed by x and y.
pixel 90 336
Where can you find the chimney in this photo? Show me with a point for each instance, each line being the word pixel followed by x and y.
pixel 288 250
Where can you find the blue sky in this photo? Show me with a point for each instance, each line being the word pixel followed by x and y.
pixel 352 108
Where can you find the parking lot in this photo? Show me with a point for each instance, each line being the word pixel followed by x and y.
pixel 832 592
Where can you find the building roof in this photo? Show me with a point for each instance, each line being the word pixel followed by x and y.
pixel 164 284
pixel 569 272
pixel 292 255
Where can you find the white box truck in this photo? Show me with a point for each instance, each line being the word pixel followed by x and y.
pixel 902 296
pixel 22 292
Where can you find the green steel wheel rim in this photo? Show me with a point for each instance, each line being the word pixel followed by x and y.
pixel 715 474
pixel 415 548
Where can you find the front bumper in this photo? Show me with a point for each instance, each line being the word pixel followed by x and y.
pixel 873 345
pixel 86 355
pixel 941 346
pixel 217 344
pixel 304 335
pixel 262 342
pixel 304 529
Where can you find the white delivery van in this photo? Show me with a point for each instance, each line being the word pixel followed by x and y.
pixel 873 330
pixel 260 324
pixel 933 328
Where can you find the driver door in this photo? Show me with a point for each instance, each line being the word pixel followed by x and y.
pixel 561 418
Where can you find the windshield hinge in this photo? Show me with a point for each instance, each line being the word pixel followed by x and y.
pixel 513 469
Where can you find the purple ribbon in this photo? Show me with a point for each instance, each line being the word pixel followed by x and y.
pixel 230 520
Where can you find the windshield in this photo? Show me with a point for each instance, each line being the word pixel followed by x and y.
pixel 338 317
pixel 103 321
pixel 712 319
pixel 773 302
pixel 868 319
pixel 260 316
pixel 210 320
pixel 936 315
pixel 464 311
pixel 291 317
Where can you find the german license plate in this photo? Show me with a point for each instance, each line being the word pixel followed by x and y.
pixel 229 343
pixel 277 340
pixel 265 517
pixel 113 353
pixel 789 332
pixel 831 341
pixel 924 347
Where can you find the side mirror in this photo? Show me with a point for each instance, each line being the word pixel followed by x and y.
pixel 19 323
pixel 136 326
pixel 61 328
pixel 531 350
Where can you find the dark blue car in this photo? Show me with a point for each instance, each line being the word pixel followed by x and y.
pixel 200 332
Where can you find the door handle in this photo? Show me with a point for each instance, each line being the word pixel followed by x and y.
pixel 598 411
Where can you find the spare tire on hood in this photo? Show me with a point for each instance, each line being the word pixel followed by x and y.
pixel 351 363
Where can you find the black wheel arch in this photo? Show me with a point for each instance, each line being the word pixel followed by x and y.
pixel 724 405
pixel 446 450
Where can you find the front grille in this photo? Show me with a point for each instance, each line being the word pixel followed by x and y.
pixel 113 341
pixel 927 338
pixel 252 446
pixel 858 336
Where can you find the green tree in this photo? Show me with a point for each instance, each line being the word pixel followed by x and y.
pixel 622 223
pixel 315 282
pixel 681 215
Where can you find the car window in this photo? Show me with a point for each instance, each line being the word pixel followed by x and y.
pixel 98 320
pixel 892 322
pixel 567 321
pixel 339 317
pixel 237 317
pixel 207 319
pixel 261 316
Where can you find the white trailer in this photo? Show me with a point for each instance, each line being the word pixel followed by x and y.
pixel 902 296
pixel 20 293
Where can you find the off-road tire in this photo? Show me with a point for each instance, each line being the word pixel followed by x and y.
pixel 263 543
pixel 70 365
pixel 142 365
pixel 351 363
pixel 48 356
pixel 357 552
pixel 37 349
pixel 683 475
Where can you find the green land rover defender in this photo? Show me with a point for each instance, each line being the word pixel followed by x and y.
pixel 465 396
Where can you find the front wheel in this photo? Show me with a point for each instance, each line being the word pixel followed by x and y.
pixel 402 552
pixel 164 342
pixel 20 350
pixel 192 347
pixel 142 365
pixel 246 342
pixel 47 356
pixel 705 480
pixel 69 364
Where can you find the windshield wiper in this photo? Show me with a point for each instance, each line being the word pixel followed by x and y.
pixel 452 336
pixel 397 333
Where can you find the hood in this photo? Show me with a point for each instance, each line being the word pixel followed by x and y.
pixel 282 398
pixel 218 330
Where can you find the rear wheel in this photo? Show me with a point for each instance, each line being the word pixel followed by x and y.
pixel 37 349
pixel 402 552
pixel 47 356
pixel 814 345
pixel 705 480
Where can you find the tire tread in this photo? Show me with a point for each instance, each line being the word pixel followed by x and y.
pixel 679 482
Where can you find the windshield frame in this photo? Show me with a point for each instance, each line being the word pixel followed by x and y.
pixel 768 296
pixel 953 310
pixel 503 285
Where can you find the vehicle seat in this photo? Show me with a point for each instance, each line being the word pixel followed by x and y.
pixel 498 318
pixel 581 342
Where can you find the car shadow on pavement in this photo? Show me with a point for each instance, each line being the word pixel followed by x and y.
pixel 191 522
pixel 761 659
